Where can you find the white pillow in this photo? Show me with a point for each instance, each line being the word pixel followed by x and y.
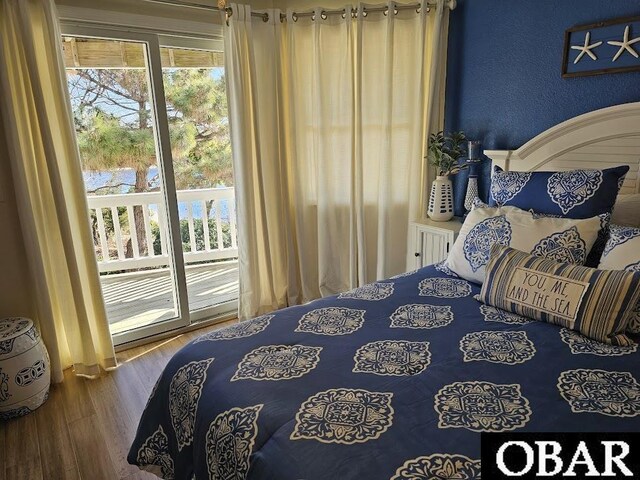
pixel 562 239
pixel 626 211
pixel 622 252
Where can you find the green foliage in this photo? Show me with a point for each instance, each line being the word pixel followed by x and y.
pixel 198 116
pixel 199 234
pixel 112 114
pixel 155 234
pixel 444 151
pixel 107 144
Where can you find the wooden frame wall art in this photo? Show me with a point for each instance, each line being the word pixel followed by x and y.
pixel 612 46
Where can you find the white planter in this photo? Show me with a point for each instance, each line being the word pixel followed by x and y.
pixel 24 368
pixel 441 200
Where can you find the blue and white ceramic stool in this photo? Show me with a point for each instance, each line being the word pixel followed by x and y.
pixel 24 368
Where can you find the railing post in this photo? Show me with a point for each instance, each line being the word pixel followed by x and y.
pixel 205 226
pixel 192 230
pixel 116 229
pixel 133 232
pixel 164 237
pixel 147 230
pixel 102 235
pixel 219 224
pixel 232 222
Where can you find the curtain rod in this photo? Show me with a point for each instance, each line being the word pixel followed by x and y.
pixel 451 4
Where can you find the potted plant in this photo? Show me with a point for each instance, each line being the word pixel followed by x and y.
pixel 444 152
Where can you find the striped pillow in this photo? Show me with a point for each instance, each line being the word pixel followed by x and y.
pixel 596 303
pixel 622 252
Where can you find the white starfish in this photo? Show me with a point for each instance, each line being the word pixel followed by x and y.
pixel 586 48
pixel 625 44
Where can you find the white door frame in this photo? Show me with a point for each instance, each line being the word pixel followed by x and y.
pixel 163 150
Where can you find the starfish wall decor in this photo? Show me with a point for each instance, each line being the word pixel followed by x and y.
pixel 609 46
pixel 625 44
pixel 586 48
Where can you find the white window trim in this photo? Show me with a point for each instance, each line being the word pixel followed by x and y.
pixel 135 22
pixel 155 40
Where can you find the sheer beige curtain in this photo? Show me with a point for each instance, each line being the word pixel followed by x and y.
pixel 49 188
pixel 335 140
pixel 253 78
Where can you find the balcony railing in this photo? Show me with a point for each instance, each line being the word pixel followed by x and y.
pixel 196 205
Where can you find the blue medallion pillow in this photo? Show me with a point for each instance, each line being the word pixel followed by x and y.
pixel 571 194
pixel 562 239
pixel 622 252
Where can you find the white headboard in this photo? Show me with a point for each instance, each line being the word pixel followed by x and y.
pixel 600 139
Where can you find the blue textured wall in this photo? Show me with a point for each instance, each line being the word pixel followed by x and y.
pixel 503 77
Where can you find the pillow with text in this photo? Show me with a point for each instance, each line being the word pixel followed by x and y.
pixel 596 303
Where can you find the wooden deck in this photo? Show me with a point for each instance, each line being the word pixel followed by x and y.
pixel 136 299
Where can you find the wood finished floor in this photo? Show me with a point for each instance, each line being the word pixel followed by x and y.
pixel 84 430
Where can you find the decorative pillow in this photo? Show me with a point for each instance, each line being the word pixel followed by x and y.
pixel 573 193
pixel 622 252
pixel 598 247
pixel 626 211
pixel 562 239
pixel 596 303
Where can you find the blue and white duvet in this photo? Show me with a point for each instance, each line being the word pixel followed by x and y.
pixel 394 380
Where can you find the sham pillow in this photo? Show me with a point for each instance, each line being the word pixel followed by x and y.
pixel 572 193
pixel 626 211
pixel 596 303
pixel 622 252
pixel 562 239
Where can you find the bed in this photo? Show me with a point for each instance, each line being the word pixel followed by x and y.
pixel 397 379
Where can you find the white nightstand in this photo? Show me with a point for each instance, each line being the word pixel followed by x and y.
pixel 430 242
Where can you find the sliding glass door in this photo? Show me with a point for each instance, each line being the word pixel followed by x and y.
pixel 153 132
pixel 195 95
